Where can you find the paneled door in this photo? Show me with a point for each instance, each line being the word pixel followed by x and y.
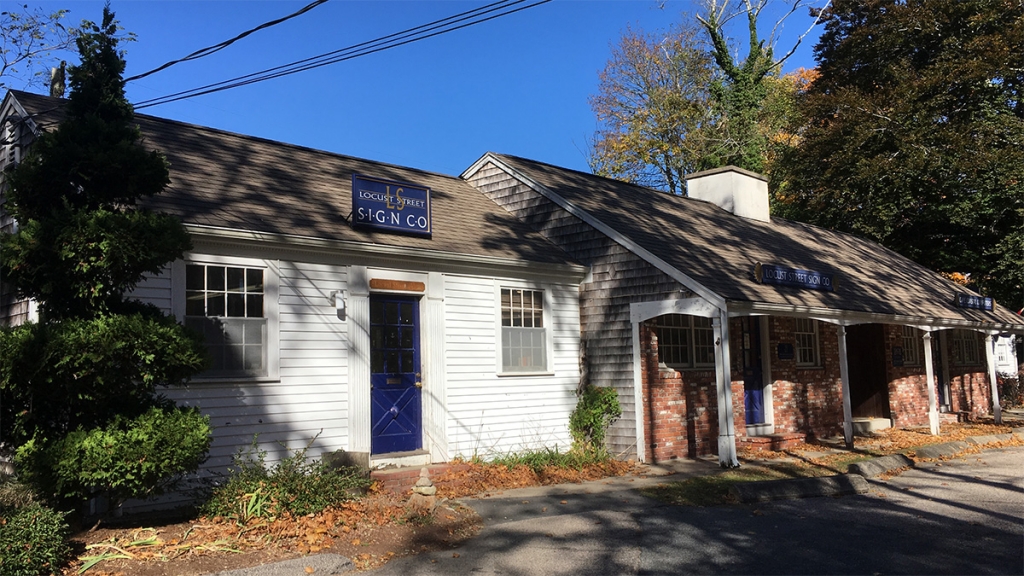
pixel 395 383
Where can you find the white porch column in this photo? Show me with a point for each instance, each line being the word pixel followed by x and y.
pixel 929 374
pixel 723 373
pixel 990 356
pixel 358 360
pixel 844 375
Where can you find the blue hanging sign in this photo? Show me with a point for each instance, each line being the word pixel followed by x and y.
pixel 975 302
pixel 391 206
pixel 780 276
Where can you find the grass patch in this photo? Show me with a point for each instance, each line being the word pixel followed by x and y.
pixel 712 490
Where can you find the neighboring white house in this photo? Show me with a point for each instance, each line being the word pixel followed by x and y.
pixel 1006 355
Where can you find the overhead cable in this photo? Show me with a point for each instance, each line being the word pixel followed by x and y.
pixel 220 46
pixel 422 32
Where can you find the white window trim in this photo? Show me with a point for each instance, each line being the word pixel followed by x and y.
pixel 271 291
pixel 548 328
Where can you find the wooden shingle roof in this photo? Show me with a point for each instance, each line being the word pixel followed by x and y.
pixel 231 181
pixel 719 250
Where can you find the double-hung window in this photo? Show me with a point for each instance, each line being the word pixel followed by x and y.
pixel 227 305
pixel 965 347
pixel 911 346
pixel 524 346
pixel 685 341
pixel 805 336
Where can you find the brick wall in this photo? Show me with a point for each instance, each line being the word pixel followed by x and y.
pixel 804 399
pixel 681 407
pixel 908 391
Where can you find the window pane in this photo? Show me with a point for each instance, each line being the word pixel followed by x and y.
pixel 195 277
pixel 253 359
pixel 407 358
pixel 407 337
pixel 254 331
pixel 195 304
pixel 406 313
pixel 215 278
pixel 377 312
pixel 254 280
pixel 391 364
pixel 391 337
pixel 215 304
pixel 254 305
pixel 377 361
pixel 236 279
pixel 390 313
pixel 236 305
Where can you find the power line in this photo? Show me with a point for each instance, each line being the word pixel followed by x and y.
pixel 220 46
pixel 422 32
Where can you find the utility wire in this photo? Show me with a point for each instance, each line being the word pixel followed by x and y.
pixel 222 45
pixel 422 32
pixel 257 76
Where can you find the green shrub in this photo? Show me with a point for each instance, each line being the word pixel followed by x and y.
pixel 33 541
pixel 79 374
pixel 129 458
pixel 537 460
pixel 595 411
pixel 296 485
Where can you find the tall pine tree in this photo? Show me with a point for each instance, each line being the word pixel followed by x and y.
pixel 94 365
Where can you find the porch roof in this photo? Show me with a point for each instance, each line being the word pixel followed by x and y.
pixel 719 250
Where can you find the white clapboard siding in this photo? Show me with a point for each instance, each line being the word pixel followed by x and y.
pixel 310 398
pixel 490 415
pixel 155 290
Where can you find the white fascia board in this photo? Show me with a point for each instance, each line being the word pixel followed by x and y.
pixel 362 251
pixel 850 318
pixel 608 231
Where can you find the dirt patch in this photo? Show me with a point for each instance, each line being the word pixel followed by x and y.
pixel 369 532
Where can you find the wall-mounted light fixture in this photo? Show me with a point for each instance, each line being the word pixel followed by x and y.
pixel 337 298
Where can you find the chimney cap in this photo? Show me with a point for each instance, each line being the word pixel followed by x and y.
pixel 721 169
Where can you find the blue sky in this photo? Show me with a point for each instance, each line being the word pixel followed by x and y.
pixel 516 85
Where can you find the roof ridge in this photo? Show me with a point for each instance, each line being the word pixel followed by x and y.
pixel 249 137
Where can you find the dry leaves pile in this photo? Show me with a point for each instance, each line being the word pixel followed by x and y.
pixel 890 441
pixel 465 479
pixel 308 534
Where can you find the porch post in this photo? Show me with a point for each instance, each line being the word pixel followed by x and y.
pixel 638 399
pixel 929 374
pixel 990 356
pixel 723 373
pixel 844 375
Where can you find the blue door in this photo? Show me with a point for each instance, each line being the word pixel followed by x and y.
pixel 395 409
pixel 753 384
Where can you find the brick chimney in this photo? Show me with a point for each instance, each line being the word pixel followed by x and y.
pixel 742 192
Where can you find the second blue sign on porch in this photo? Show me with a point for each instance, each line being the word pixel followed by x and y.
pixel 390 206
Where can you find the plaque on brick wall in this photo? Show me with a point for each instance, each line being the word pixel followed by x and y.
pixel 785 351
pixel 897 355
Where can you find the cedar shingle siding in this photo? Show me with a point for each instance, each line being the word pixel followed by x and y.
pixel 619 278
